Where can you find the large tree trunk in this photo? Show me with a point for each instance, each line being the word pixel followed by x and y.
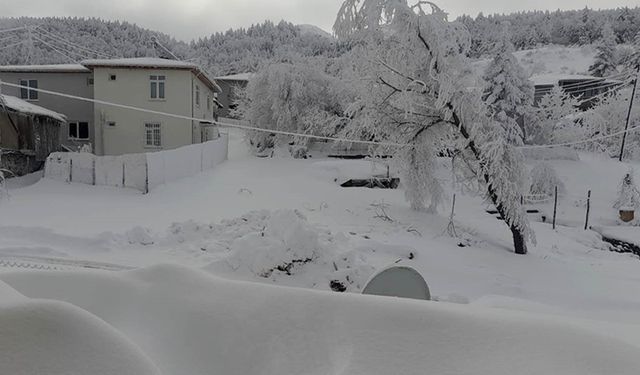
pixel 519 243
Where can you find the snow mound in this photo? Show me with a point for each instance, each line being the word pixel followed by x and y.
pixel 51 337
pixel 189 322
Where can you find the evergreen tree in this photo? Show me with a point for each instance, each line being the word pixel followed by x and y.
pixel 628 194
pixel 605 63
pixel 507 92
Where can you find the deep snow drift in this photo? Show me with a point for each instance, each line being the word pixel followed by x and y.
pixel 57 338
pixel 189 322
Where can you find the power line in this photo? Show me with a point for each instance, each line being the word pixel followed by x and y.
pixel 13 29
pixel 54 48
pixel 61 39
pixel 13 45
pixel 182 117
pixel 310 136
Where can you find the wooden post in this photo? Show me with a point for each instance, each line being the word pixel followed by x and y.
pixel 586 221
pixel 555 208
pixel 123 181
pixel 93 177
pixel 146 176
pixel 626 127
pixel 70 170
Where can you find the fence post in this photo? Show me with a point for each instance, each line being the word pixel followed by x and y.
pixel 123 181
pixel 555 208
pixel 93 177
pixel 146 176
pixel 586 221
pixel 70 170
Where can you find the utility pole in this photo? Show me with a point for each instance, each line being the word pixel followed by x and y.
pixel 626 127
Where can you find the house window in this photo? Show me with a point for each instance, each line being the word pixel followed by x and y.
pixel 112 77
pixel 157 86
pixel 79 130
pixel 153 138
pixel 197 95
pixel 25 92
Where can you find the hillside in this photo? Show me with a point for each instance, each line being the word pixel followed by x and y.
pixel 63 40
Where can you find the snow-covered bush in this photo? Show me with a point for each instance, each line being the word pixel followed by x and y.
pixel 628 194
pixel 544 180
pixel 607 117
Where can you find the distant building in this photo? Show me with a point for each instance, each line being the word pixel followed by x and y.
pixel 230 85
pixel 28 134
pixel 73 79
pixel 586 88
pixel 154 84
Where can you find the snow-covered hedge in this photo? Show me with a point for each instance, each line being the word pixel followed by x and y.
pixel 138 171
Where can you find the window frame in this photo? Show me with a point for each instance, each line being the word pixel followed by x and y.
pixel 27 91
pixel 157 87
pixel 152 135
pixel 197 99
pixel 77 125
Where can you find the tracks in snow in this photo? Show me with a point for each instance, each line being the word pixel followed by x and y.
pixel 56 264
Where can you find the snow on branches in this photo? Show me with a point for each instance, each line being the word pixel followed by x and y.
pixel 416 87
pixel 605 64
pixel 628 194
pixel 508 92
pixel 297 98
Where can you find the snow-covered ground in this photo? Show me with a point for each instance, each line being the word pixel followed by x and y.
pixel 189 322
pixel 552 59
pixel 287 222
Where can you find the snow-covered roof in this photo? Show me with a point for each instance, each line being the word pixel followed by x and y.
pixel 52 68
pixel 153 63
pixel 141 62
pixel 22 106
pixel 237 77
pixel 554 79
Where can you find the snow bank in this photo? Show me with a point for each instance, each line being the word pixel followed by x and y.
pixel 281 247
pixel 189 322
pixel 52 337
pixel 137 171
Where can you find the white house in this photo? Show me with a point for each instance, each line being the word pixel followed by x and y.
pixel 155 84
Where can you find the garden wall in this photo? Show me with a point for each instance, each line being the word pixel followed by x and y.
pixel 139 171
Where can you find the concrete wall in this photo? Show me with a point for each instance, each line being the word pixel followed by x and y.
pixel 73 83
pixel 143 171
pixel 131 87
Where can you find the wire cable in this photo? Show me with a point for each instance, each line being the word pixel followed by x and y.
pixel 310 136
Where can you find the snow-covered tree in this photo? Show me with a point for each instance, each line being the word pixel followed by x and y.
pixel 551 119
pixel 508 93
pixel 607 117
pixel 633 61
pixel 297 98
pixel 413 87
pixel 605 63
pixel 628 194
pixel 544 180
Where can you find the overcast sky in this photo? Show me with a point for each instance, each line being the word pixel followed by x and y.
pixel 188 19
